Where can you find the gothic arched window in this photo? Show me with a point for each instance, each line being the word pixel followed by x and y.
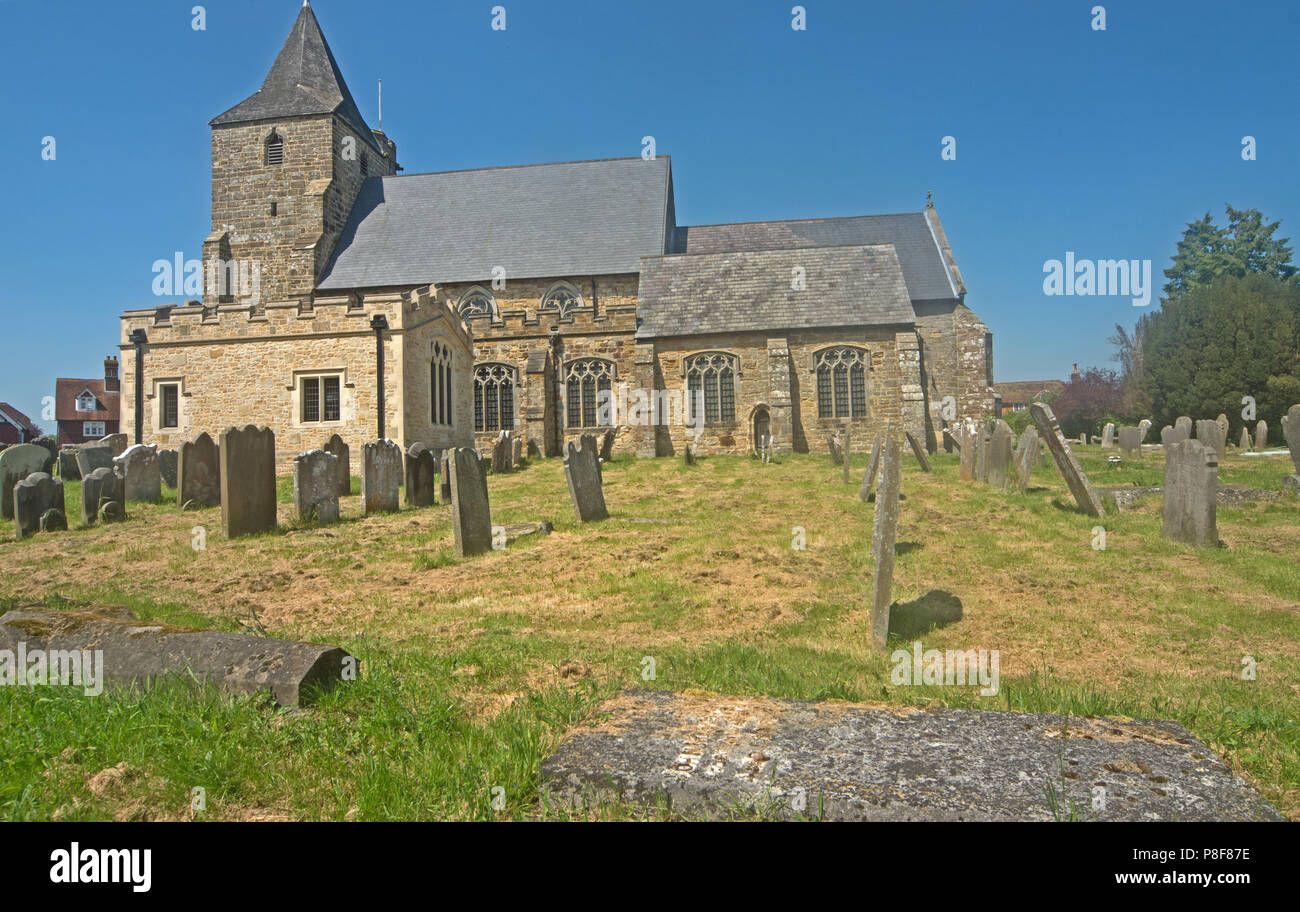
pixel 563 298
pixel 274 149
pixel 712 375
pixel 841 383
pixel 476 301
pixel 440 410
pixel 585 379
pixel 494 397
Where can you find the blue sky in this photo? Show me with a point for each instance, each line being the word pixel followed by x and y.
pixel 1104 143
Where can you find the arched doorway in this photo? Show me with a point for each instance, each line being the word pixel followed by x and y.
pixel 761 428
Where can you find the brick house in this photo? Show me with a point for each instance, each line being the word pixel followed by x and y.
pixel 547 299
pixel 88 409
pixel 15 427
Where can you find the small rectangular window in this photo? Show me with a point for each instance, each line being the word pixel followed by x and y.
pixel 311 399
pixel 331 398
pixel 92 429
pixel 171 406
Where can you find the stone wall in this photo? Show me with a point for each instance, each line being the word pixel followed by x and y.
pixel 955 361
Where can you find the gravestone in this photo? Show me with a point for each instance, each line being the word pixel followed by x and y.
pixel 33 496
pixel 1026 456
pixel 1183 425
pixel 968 447
pixel 1191 486
pixel 381 476
pixel 139 466
pixel 688 454
pixel 1244 443
pixel 98 488
pixel 873 466
pixel 950 441
pixel 502 453
pixel 1108 436
pixel 1261 436
pixel 607 446
pixel 343 454
pixel 1145 427
pixel 111 511
pixel 444 478
pixel 67 464
pixel 16 463
pixel 168 467
pixel 848 455
pixel 1167 436
pixel 315 486
pixel 54 519
pixel 116 443
pixel 999 456
pixel 198 472
pixel 1224 428
pixel 982 442
pixel 883 532
pixel 247 480
pixel 1130 440
pixel 1050 431
pixel 1210 433
pixel 91 456
pixel 834 446
pixel 518 454
pixel 470 516
pixel 582 472
pixel 1181 430
pixel 1291 432
pixel 421 476
pixel 918 451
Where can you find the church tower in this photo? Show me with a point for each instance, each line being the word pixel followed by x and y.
pixel 287 165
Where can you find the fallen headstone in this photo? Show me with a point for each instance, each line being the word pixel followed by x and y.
pixel 708 755
pixel 247 480
pixel 127 650
pixel 381 476
pixel 340 451
pixel 1050 432
pixel 33 496
pixel 97 488
pixel 198 472
pixel 582 472
pixel 883 532
pixel 139 466
pixel 16 463
pixel 471 520
pixel 315 486
pixel 1191 484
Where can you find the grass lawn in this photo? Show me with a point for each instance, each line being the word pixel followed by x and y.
pixel 473 670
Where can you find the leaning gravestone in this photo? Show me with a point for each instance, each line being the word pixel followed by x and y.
pixel 139 466
pixel 198 472
pixel 1108 436
pixel 582 471
pixel 1191 488
pixel 1026 456
pixel 848 455
pixel 834 446
pixel 1291 431
pixel 33 496
pixel 1050 431
pixel 168 466
pixel 1130 440
pixel 873 465
pixel 968 447
pixel 381 476
pixel 607 446
pixel 340 450
pixel 471 519
pixel 91 456
pixel 67 463
pixel 883 532
pixel 1261 436
pixel 444 478
pixel 16 463
pixel 315 486
pixel 116 443
pixel 999 456
pixel 247 479
pixel 98 488
pixel 421 476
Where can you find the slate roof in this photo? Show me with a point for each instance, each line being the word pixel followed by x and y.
pixel 66 391
pixel 924 268
pixel 751 290
pixel 565 219
pixel 305 79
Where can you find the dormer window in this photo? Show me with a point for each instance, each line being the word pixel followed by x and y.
pixel 87 402
pixel 274 149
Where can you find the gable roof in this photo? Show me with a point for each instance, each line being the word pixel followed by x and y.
pixel 751 290
pixel 305 79
pixel 19 420
pixel 1027 390
pixel 563 219
pixel 66 391
pixel 926 269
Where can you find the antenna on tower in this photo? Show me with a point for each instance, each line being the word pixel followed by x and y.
pixel 381 106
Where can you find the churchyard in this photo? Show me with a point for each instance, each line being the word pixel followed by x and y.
pixel 728 575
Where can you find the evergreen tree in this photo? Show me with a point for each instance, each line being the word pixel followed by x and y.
pixel 1247 245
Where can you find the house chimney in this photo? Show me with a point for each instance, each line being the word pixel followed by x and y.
pixel 111 382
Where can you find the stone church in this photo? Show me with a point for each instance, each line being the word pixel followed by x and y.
pixel 341 296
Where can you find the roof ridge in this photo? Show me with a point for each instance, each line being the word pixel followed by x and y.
pixel 580 161
pixel 825 218
pixel 793 251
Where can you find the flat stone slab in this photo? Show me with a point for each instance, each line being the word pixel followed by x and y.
pixel 1126 497
pixel 710 755
pixel 138 651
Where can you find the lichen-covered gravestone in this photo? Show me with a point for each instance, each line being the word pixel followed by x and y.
pixel 421 476
pixel 471 519
pixel 1291 431
pixel 999 455
pixel 502 454
pixel 139 466
pixel 168 466
pixel 883 532
pixel 1108 436
pixel 91 456
pixel 381 476
pixel 1130 440
pixel 834 446
pixel 873 467
pixel 315 486
pixel 1050 431
pixel 67 463
pixel 848 455
pixel 116 444
pixel 918 451
pixel 198 472
pixel 33 496
pixel 336 447
pixel 247 480
pixel 968 447
pixel 1191 486
pixel 582 472
pixel 1026 456
pixel 1261 435
pixel 1211 434
pixel 98 488
pixel 16 463
pixel 444 478
pixel 607 446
